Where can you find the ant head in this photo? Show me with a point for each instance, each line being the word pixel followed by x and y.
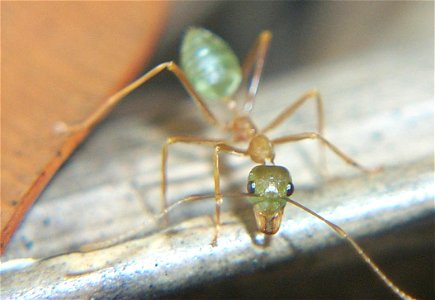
pixel 269 186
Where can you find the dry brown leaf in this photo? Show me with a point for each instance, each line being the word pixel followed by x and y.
pixel 60 61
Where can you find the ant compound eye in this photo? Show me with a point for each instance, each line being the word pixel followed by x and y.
pixel 290 189
pixel 251 187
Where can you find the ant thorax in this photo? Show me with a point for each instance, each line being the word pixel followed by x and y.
pixel 242 128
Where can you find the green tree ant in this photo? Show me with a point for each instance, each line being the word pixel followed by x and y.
pixel 211 71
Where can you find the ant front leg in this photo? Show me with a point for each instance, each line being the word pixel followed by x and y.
pixel 219 146
pixel 165 148
pixel 333 148
pixel 106 107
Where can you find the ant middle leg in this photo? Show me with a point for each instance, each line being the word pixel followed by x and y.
pixel 332 147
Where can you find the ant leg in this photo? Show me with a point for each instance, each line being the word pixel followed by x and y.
pixel 343 234
pixel 104 109
pixel 255 60
pixel 170 141
pixel 286 113
pixel 315 135
pixel 221 147
pixel 218 195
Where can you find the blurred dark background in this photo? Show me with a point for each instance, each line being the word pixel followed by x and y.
pixel 303 32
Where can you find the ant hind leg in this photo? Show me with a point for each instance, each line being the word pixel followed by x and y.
pixel 106 107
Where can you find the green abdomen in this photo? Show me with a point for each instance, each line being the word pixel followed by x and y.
pixel 210 64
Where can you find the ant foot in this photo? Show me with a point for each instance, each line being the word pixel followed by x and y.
pixel 214 242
